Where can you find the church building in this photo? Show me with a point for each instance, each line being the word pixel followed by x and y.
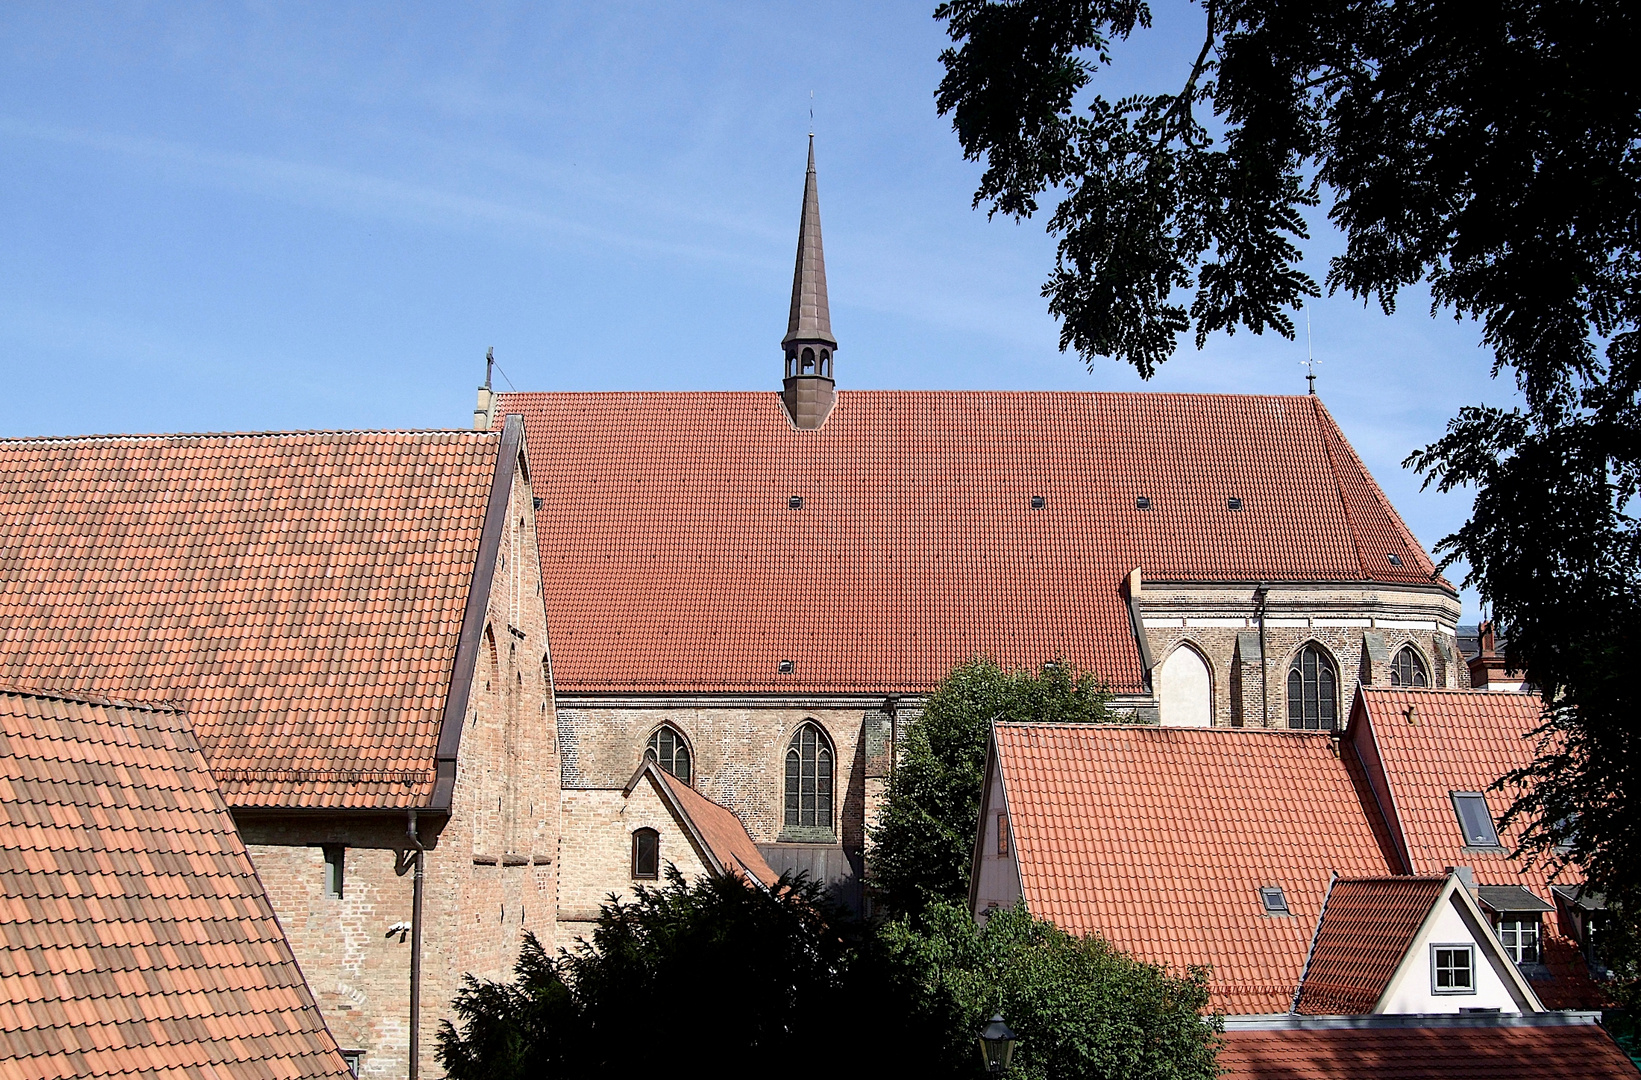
pixel 756 590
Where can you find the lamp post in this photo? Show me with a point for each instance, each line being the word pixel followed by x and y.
pixel 996 1045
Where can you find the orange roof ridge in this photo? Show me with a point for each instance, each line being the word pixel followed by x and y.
pixel 88 698
pixel 1079 725
pixel 153 435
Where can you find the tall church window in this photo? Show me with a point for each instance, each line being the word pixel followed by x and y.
pixel 809 779
pixel 1312 691
pixel 1187 689
pixel 1408 669
pixel 671 752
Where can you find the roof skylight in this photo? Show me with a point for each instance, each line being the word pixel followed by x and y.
pixel 1475 819
pixel 1274 901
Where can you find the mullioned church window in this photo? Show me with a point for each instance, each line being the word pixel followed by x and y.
pixel 1408 669
pixel 1313 691
pixel 809 779
pixel 671 752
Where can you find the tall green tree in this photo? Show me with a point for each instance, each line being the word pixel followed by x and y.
pixel 1081 1008
pixel 1492 151
pixel 924 841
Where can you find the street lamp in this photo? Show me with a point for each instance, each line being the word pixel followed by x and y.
pixel 996 1045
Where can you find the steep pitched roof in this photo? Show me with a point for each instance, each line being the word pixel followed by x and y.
pixel 1361 938
pixel 302 593
pixel 135 938
pixel 715 828
pixel 1435 1052
pixel 1160 839
pixel 1462 740
pixel 1455 740
pixel 673 561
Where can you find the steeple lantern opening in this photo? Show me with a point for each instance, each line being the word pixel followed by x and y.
pixel 809 387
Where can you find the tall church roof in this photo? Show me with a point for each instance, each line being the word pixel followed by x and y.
pixel 676 556
pixel 301 593
pixel 810 318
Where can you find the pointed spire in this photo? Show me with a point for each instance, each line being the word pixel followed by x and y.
pixel 809 390
pixel 811 317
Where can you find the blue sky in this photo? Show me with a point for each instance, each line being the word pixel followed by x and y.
pixel 277 216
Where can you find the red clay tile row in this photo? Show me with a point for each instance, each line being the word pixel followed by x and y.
pixel 173 965
pixel 300 593
pixel 671 559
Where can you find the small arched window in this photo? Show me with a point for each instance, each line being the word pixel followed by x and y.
pixel 1312 691
pixel 646 854
pixel 492 674
pixel 809 779
pixel 671 752
pixel 1408 669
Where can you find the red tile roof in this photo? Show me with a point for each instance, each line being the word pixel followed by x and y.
pixel 722 832
pixel 301 593
pixel 672 560
pixel 1160 839
pixel 1435 1053
pixel 135 938
pixel 1464 740
pixel 1366 928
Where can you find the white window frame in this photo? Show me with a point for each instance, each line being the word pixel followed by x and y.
pixel 1469 949
pixel 1521 918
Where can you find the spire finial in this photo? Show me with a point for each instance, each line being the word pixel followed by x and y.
pixel 1310 361
pixel 809 344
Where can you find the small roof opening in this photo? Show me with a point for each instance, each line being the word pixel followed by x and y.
pixel 1233 503
pixel 1142 502
pixel 1273 900
pixel 1038 502
pixel 1475 819
pixel 785 667
pixel 1395 559
pixel 795 502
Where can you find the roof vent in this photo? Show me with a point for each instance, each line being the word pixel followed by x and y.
pixel 1273 900
pixel 1233 503
pixel 1143 502
pixel 795 502
pixel 1395 559
pixel 1038 502
pixel 785 667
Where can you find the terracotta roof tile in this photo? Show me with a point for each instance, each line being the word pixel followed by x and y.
pixel 721 829
pixel 672 559
pixel 1435 1053
pixel 145 947
pixel 1464 740
pixel 1366 928
pixel 301 593
pixel 1160 839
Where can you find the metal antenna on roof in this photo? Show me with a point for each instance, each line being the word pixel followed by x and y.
pixel 811 114
pixel 1310 361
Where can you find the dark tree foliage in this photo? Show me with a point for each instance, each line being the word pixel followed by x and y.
pixel 924 841
pixel 722 975
pixel 1488 150
pixel 1081 1009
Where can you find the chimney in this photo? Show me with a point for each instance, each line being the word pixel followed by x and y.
pixel 1488 670
pixel 484 413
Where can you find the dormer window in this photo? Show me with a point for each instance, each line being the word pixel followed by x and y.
pixel 1519 933
pixel 1475 819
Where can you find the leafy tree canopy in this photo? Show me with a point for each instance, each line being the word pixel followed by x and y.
pixel 1080 1007
pixel 924 841
pixel 721 969
pixel 1490 151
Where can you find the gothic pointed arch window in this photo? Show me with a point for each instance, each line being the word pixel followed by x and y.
pixel 671 752
pixel 1313 690
pixel 809 779
pixel 1408 668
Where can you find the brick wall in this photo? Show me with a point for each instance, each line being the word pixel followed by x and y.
pixel 490 870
